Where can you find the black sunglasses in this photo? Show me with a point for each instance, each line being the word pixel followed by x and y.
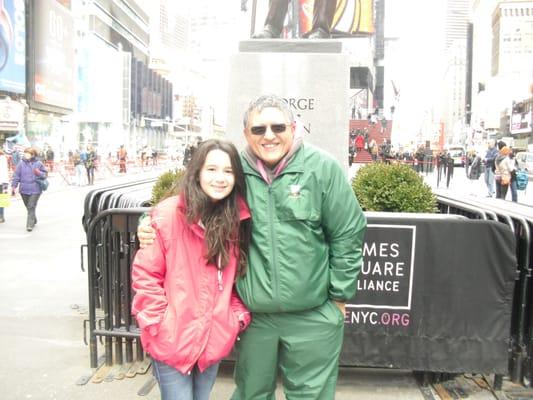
pixel 261 129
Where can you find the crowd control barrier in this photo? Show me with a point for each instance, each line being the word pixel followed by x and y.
pixel 111 247
pixel 520 220
pixel 435 292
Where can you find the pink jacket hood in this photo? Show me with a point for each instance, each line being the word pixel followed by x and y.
pixel 189 312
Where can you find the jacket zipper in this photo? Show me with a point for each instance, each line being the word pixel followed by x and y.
pixel 275 287
pixel 219 273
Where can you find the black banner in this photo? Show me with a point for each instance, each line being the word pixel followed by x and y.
pixel 434 294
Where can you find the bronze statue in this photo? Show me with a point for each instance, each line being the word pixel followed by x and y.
pixel 323 12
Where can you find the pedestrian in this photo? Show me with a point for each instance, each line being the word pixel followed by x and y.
pixel 450 164
pixel 28 170
pixel 79 168
pixel 4 180
pixel 50 159
pixel 359 142
pixel 122 158
pixel 490 157
pixel 514 185
pixel 90 164
pixel 301 203
pixel 373 149
pixel 185 301
pixel 475 168
pixel 502 176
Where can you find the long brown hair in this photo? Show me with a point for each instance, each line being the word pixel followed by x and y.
pixel 221 220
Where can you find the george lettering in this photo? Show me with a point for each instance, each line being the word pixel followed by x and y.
pixel 301 103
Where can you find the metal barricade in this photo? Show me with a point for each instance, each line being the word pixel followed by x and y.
pixel 520 220
pixel 111 242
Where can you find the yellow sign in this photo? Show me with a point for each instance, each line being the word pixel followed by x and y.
pixel 5 200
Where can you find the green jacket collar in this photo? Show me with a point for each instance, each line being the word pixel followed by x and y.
pixel 295 165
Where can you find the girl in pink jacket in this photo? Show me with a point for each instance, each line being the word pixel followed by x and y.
pixel 185 302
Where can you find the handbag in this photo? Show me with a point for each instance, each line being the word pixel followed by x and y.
pixel 5 200
pixel 505 180
pixel 43 183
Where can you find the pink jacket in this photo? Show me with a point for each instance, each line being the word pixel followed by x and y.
pixel 188 312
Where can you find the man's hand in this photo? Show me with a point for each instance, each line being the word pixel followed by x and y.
pixel 145 233
pixel 342 306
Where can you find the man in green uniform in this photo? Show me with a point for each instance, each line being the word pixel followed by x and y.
pixel 304 258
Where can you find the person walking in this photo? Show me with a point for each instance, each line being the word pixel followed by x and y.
pixel 122 158
pixel 90 164
pixel 301 203
pixel 185 302
pixel 50 159
pixel 490 157
pixel 373 146
pixel 503 169
pixel 4 180
pixel 78 168
pixel 513 185
pixel 450 164
pixel 28 170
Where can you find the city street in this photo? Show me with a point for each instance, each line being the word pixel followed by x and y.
pixel 43 303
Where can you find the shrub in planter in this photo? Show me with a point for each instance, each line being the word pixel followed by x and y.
pixel 166 184
pixel 392 187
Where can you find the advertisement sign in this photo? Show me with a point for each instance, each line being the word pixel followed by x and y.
pixel 11 115
pixel 432 295
pixel 386 277
pixel 354 17
pixel 12 46
pixel 521 117
pixel 351 17
pixel 53 38
pixel 100 95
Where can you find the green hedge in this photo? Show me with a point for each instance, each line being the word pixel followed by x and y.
pixel 392 187
pixel 165 184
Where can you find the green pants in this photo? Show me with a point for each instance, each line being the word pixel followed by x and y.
pixel 304 346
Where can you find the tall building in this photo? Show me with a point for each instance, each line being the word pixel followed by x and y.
pixel 169 34
pixel 502 70
pixel 114 31
pixel 454 110
pixel 457 16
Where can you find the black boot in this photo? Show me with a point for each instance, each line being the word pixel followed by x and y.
pixel 319 34
pixel 274 20
pixel 269 32
pixel 323 13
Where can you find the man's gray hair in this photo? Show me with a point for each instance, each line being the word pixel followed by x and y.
pixel 267 101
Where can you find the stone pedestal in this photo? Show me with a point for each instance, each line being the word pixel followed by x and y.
pixel 312 75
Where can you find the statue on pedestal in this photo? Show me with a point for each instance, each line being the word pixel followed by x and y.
pixel 323 12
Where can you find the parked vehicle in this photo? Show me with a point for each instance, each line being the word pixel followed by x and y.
pixel 458 153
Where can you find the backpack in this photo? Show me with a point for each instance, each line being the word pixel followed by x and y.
pixel 521 179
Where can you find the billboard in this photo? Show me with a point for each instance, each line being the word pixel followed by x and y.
pixel 53 58
pixel 432 296
pixel 12 46
pixel 521 117
pixel 353 17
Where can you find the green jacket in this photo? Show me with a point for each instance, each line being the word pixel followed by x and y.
pixel 307 236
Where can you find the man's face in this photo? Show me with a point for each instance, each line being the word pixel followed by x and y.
pixel 272 145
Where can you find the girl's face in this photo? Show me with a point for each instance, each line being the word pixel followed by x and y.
pixel 216 176
pixel 27 156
